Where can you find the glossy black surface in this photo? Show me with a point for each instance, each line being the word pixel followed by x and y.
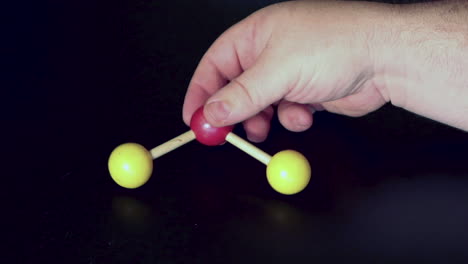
pixel 390 186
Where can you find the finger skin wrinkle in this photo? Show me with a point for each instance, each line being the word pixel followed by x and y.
pixel 299 91
pixel 359 81
pixel 247 93
pixel 237 57
pixel 225 76
pixel 200 88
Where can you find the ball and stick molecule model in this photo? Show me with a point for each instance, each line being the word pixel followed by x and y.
pixel 131 165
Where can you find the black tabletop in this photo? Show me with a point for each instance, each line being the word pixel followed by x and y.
pixel 390 186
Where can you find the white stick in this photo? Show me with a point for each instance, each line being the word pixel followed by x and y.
pixel 172 144
pixel 248 148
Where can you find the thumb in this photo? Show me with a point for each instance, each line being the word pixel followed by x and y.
pixel 247 95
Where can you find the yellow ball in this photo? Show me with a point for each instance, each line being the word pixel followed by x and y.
pixel 130 165
pixel 288 172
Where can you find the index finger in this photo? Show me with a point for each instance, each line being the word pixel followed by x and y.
pixel 231 54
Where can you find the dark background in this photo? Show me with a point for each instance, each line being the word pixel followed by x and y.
pixel 85 76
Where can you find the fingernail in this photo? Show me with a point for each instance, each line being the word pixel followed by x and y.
pixel 255 139
pixel 219 111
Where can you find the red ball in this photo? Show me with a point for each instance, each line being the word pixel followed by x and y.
pixel 206 133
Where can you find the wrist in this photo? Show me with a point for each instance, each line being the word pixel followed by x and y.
pixel 387 56
pixel 423 62
pixel 383 44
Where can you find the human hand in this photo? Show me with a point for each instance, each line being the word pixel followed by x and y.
pixel 303 56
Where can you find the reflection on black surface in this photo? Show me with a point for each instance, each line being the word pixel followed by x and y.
pixel 407 217
pixel 132 215
pixel 422 219
pixel 401 220
pixel 278 214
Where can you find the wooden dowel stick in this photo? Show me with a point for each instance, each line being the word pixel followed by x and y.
pixel 248 148
pixel 172 144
